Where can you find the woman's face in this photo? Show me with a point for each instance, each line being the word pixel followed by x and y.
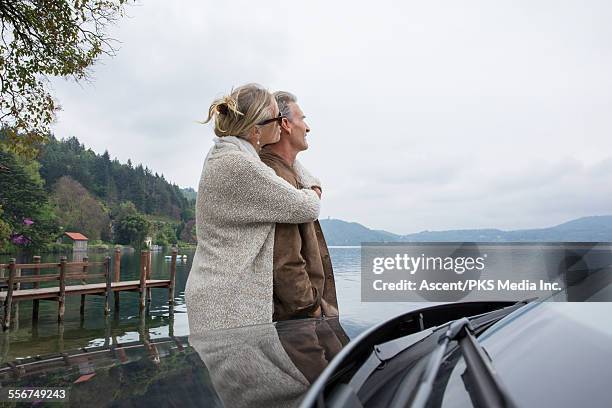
pixel 270 132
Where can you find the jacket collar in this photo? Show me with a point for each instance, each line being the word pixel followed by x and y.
pixel 270 155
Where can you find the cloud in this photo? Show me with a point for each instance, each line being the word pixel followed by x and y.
pixel 423 115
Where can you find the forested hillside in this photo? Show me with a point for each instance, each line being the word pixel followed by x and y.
pixel 72 188
pixel 111 181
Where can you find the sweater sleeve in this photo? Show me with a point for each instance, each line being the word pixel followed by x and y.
pixel 252 192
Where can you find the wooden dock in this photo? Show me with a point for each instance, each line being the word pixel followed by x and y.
pixel 80 272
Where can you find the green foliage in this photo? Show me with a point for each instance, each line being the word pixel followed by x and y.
pixel 26 209
pixel 5 232
pixel 131 229
pixel 42 39
pixel 185 245
pixel 189 211
pixel 78 210
pixel 189 193
pixel 188 232
pixel 86 192
pixel 56 248
pixel 112 182
pixel 164 233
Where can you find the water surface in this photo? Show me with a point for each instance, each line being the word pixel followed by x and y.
pixel 94 329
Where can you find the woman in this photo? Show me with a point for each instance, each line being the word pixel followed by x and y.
pixel 239 201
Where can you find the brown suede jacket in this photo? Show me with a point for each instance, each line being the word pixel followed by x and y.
pixel 303 277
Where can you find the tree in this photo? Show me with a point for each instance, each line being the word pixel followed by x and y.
pixel 163 233
pixel 188 233
pixel 131 229
pixel 41 39
pixel 124 209
pixel 102 176
pixel 25 205
pixel 5 232
pixel 78 210
pixel 112 182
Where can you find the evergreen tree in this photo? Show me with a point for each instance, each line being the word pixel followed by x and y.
pixel 5 232
pixel 25 205
pixel 112 182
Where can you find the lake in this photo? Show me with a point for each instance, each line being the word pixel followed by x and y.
pixel 24 340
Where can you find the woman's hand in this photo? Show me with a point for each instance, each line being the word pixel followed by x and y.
pixel 317 190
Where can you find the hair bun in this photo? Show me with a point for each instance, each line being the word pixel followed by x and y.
pixel 222 108
pixel 255 101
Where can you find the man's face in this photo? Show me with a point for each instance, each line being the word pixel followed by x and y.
pixel 297 128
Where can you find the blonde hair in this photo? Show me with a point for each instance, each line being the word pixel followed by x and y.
pixel 235 114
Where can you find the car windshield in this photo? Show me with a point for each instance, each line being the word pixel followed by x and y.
pixel 542 355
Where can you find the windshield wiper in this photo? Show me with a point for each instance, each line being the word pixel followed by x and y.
pixel 486 390
pixel 387 351
pixel 346 394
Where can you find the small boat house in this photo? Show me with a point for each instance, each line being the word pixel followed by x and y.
pixel 79 241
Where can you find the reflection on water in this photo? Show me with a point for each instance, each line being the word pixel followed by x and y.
pixel 94 328
pixel 47 337
pixel 264 365
pixel 268 365
pixel 23 340
pixel 163 372
pixel 130 360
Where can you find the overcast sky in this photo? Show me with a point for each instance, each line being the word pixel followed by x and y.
pixel 424 115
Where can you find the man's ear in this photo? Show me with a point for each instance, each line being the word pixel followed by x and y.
pixel 285 125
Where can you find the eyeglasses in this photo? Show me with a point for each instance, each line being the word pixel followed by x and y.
pixel 277 119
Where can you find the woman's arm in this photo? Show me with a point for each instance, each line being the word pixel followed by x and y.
pixel 252 192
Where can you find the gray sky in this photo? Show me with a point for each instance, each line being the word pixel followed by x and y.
pixel 424 115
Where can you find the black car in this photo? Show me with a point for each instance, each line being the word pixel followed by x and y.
pixel 527 354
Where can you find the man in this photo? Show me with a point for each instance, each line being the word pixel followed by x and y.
pixel 302 271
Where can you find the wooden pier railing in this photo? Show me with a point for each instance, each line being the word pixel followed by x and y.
pixel 68 272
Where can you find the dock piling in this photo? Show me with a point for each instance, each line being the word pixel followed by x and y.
pixel 61 304
pixel 36 302
pixel 82 309
pixel 15 308
pixel 143 280
pixel 107 275
pixel 83 281
pixel 9 295
pixel 149 297
pixel 117 272
pixel 172 280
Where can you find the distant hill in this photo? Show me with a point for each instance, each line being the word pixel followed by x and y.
pixel 189 193
pixel 585 229
pixel 338 232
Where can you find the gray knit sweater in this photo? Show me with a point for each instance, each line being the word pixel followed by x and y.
pixel 239 201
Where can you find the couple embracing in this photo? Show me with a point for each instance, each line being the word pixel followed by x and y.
pixel 261 255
